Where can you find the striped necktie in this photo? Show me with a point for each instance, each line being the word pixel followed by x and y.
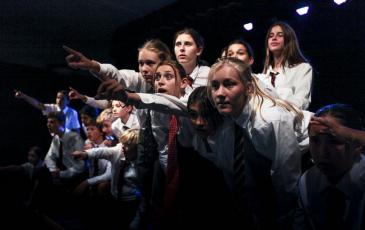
pixel 273 78
pixel 239 165
pixel 172 177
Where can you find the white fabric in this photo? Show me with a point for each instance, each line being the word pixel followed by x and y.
pixel 71 142
pixel 130 79
pixel 292 84
pixel 115 155
pixel 119 127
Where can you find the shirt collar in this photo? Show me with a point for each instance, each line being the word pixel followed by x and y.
pixel 244 117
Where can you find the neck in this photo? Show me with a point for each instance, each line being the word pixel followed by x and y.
pixel 98 141
pixel 125 119
pixel 278 59
pixel 189 67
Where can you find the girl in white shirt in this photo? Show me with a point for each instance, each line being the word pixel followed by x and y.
pixel 285 68
pixel 270 124
pixel 150 54
pixel 188 47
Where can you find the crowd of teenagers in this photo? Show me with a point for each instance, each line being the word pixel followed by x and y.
pixel 182 145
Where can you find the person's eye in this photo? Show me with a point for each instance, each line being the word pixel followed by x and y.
pixel 193 115
pixel 215 85
pixel 229 84
pixel 169 76
pixel 157 77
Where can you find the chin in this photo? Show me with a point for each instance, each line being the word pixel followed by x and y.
pixel 225 111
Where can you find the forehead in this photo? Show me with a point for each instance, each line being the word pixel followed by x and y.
pixel 165 68
pixel 92 127
pixel 185 37
pixel 145 54
pixel 226 72
pixel 235 47
pixel 115 102
pixel 59 94
pixel 276 29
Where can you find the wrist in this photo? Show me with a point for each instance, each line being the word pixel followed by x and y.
pixel 95 67
pixel 84 98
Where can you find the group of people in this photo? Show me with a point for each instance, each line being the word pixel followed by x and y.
pixel 180 144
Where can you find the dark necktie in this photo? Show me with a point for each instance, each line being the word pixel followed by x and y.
pixel 190 80
pixel 96 167
pixel 273 78
pixel 172 177
pixel 239 165
pixel 59 162
pixel 335 205
pixel 123 166
pixel 146 157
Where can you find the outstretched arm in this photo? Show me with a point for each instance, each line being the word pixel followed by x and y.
pixel 30 100
pixel 112 90
pixel 77 60
pixel 75 95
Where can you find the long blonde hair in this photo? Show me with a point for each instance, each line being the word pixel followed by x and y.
pixel 256 93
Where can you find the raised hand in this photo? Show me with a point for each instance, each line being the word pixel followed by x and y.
pixel 18 94
pixel 74 94
pixel 77 60
pixel 111 90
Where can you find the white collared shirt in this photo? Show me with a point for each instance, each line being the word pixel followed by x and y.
pixel 292 83
pixel 312 185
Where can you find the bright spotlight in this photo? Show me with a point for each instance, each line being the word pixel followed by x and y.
pixel 248 26
pixel 339 2
pixel 303 10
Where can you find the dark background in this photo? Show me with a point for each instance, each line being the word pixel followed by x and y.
pixel 332 38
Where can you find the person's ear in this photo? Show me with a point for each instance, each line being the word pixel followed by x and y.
pixel 249 87
pixel 250 61
pixel 200 51
pixel 184 83
pixel 129 108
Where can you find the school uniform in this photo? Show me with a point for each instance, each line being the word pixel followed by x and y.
pixel 119 127
pixel 313 192
pixel 127 195
pixel 71 141
pixel 272 133
pixel 292 83
pixel 100 172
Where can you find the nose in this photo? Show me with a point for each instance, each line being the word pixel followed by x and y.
pixel 182 48
pixel 161 81
pixel 220 91
pixel 200 121
pixel 324 150
pixel 144 68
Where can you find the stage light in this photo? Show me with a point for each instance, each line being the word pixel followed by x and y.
pixel 248 26
pixel 303 10
pixel 339 2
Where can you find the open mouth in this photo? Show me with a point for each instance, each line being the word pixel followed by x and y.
pixel 161 90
